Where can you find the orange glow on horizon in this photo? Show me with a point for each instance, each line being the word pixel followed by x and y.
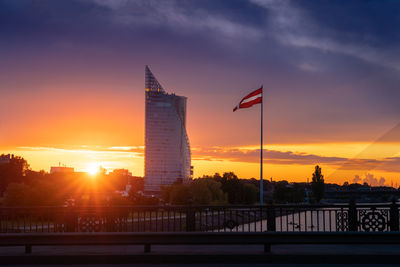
pixel 218 159
pixel 78 129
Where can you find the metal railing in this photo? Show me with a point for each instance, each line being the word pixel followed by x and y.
pixel 276 218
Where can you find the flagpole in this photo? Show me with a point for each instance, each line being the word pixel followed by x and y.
pixel 261 151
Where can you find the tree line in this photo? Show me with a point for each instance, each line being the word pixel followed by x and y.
pixel 210 190
pixel 21 186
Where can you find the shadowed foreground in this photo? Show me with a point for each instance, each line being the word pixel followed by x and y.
pixel 233 254
pixel 277 234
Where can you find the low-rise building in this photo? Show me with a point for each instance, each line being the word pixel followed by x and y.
pixel 61 169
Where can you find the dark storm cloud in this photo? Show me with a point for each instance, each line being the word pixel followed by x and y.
pixel 80 17
pixel 43 18
pixel 355 29
pixel 361 21
pixel 352 28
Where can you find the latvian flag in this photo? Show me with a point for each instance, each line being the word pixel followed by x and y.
pixel 250 100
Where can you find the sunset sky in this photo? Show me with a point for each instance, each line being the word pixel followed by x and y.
pixel 72 83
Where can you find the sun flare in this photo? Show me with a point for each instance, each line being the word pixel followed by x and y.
pixel 93 169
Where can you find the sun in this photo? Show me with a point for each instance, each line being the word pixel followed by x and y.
pixel 93 168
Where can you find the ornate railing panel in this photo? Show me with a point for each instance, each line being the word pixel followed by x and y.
pixel 373 219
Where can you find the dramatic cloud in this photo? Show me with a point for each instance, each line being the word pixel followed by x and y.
pixel 125 151
pixel 370 179
pixel 390 164
pixel 270 156
pixel 177 15
pixel 357 179
pixel 293 27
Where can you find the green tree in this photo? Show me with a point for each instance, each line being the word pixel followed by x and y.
pixel 201 191
pixel 217 195
pixel 205 191
pixel 200 194
pixel 318 184
pixel 180 194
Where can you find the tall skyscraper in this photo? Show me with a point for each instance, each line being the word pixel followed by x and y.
pixel 167 149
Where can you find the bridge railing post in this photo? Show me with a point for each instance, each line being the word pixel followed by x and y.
pixel 271 226
pixel 394 216
pixel 190 220
pixel 71 221
pixel 110 215
pixel 353 222
pixel 28 249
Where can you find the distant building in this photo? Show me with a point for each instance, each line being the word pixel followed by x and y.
pixel 122 172
pixel 167 149
pixel 61 169
pixel 4 159
pixel 120 179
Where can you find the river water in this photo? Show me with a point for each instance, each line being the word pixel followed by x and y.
pixel 327 220
pixel 317 220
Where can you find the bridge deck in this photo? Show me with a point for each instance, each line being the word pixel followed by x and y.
pixel 377 254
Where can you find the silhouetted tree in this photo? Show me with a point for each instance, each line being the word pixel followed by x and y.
pixel 318 184
pixel 12 172
pixel 17 194
pixel 289 193
pixel 118 200
pixel 41 193
pixel 118 179
pixel 137 183
pixel 298 193
pixel 250 193
pixel 233 187
pixel 280 193
pixel 137 198
pixel 239 191
pixel 47 193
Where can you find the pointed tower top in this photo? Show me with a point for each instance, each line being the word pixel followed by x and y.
pixel 151 83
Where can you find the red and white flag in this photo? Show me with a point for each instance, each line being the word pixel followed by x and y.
pixel 250 100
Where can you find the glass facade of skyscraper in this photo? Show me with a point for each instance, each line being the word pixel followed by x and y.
pixel 167 149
